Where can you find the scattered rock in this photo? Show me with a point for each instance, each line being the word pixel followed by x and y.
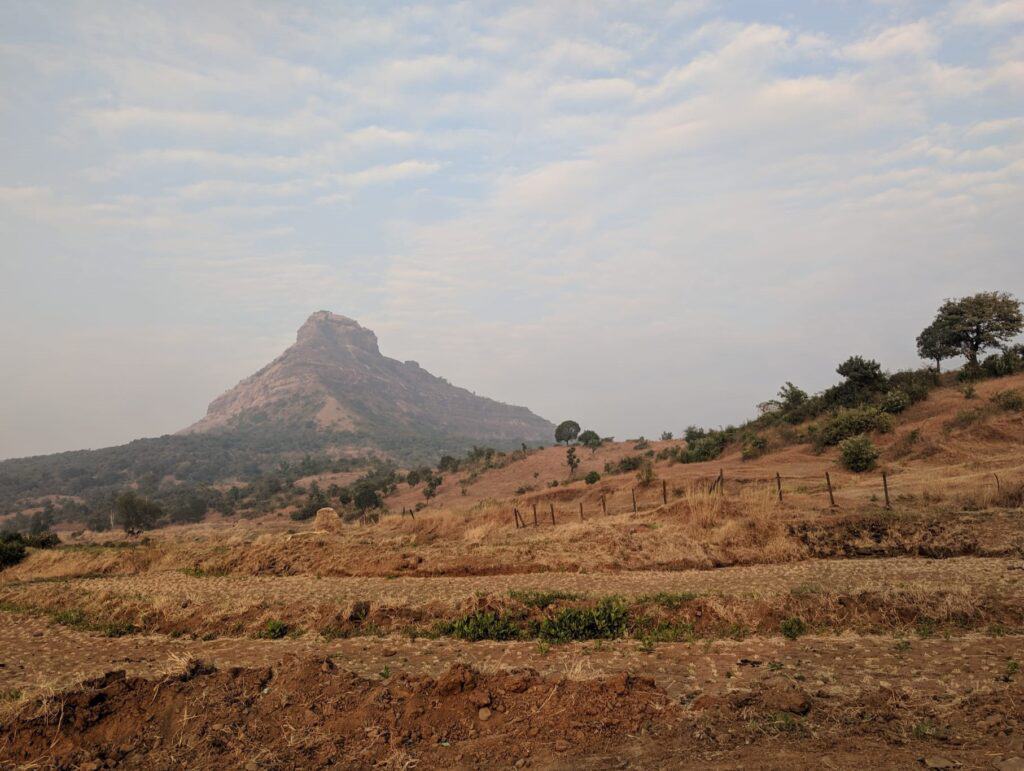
pixel 937 761
pixel 484 713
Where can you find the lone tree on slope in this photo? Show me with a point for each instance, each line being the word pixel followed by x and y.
pixel 567 431
pixel 972 324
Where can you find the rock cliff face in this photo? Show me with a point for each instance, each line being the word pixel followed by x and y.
pixel 335 379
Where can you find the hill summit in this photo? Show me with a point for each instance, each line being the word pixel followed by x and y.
pixel 334 379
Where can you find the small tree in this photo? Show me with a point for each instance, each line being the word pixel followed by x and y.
pixel 134 512
pixel 571 461
pixel 936 342
pixel 590 439
pixel 646 475
pixel 666 436
pixel 985 320
pixel 366 498
pixel 433 482
pixel 863 374
pixel 567 431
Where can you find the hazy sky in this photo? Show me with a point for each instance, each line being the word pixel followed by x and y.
pixel 638 215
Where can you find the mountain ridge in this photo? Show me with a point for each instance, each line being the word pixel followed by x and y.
pixel 334 378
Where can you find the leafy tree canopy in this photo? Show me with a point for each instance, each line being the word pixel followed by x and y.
pixel 567 431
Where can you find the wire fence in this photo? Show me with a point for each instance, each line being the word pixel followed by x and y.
pixel 823 484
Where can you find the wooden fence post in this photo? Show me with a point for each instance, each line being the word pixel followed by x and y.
pixel 581 511
pixel 778 485
pixel 633 491
pixel 552 512
pixel 515 515
pixel 885 485
pixel 664 492
pixel 535 517
pixel 831 497
pixel 721 481
pixel 604 507
pixel 998 486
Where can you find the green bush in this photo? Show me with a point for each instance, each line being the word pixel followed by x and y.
pixel 539 598
pixel 482 625
pixel 846 423
pixel 274 630
pixel 12 551
pixel 604 621
pixel 592 478
pixel 1012 401
pixel 793 628
pixel 894 401
pixel 858 454
pixel 754 447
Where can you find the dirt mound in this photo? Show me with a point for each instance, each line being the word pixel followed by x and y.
pixel 308 713
pixel 327 519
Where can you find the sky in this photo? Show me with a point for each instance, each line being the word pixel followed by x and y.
pixel 638 215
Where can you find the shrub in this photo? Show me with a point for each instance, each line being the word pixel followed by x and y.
pixel 894 401
pixel 1012 401
pixel 915 383
pixel 846 423
pixel 969 391
pixel 646 475
pixel 12 550
pixel 641 444
pixel 482 625
pixel 858 454
pixel 624 465
pixel 592 477
pixel 274 630
pixel 754 447
pixel 604 621
pixel 793 628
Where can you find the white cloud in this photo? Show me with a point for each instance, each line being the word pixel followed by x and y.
pixel 916 39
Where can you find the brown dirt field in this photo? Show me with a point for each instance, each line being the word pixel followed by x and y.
pixel 908 636
pixel 857 700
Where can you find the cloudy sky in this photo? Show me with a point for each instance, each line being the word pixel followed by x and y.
pixel 636 214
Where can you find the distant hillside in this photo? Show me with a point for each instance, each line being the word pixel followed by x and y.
pixel 335 379
pixel 331 395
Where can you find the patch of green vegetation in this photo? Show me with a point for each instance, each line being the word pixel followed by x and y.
pixel 793 628
pixel 606 620
pixel 273 630
pixel 663 631
pixel 10 694
pixel 925 628
pixel 72 617
pixel 669 600
pixel 541 599
pixel 481 625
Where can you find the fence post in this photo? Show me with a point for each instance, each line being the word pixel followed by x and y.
pixel 633 491
pixel 721 481
pixel 534 511
pixel 515 516
pixel 664 492
pixel 885 485
pixel 552 512
pixel 535 517
pixel 581 511
pixel 604 508
pixel 778 485
pixel 831 497
pixel 998 487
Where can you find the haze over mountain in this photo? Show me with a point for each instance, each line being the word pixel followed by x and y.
pixel 334 378
pixel 330 395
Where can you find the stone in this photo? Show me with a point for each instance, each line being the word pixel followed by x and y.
pixel 484 713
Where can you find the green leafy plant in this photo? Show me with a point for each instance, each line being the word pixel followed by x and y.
pixel 858 454
pixel 793 628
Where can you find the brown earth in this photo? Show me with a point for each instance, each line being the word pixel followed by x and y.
pixel 907 622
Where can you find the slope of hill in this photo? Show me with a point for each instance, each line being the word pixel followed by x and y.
pixel 335 378
pixel 331 395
